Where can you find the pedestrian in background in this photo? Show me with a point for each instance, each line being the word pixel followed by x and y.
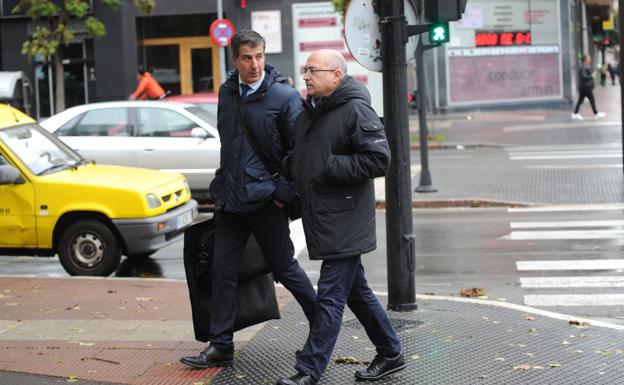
pixel 148 88
pixel 586 89
pixel 340 146
pixel 247 198
pixel 612 73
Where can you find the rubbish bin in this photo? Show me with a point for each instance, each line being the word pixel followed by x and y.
pixel 15 89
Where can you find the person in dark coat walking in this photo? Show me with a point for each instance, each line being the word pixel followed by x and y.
pixel 586 89
pixel 340 146
pixel 247 198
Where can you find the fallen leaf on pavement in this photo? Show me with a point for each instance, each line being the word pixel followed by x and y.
pixel 530 318
pixel 483 376
pixel 73 307
pixel 473 292
pixel 522 367
pixel 350 360
pixel 145 299
pixel 72 378
pixel 578 323
pixel 553 365
pixel 499 359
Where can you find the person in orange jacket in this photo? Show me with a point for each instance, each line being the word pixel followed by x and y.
pixel 148 87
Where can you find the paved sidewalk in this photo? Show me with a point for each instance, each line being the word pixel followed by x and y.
pixel 131 331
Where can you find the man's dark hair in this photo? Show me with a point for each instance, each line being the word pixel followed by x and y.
pixel 246 37
pixel 142 70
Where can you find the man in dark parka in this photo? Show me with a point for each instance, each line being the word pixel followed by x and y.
pixel 340 146
pixel 248 199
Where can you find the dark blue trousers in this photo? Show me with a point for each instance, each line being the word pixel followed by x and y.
pixel 270 228
pixel 343 281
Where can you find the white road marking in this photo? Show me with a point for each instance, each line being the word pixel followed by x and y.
pixel 565 156
pixel 563 125
pixel 574 300
pixel 566 224
pixel 591 207
pixel 572 282
pixel 564 234
pixel 571 166
pixel 579 264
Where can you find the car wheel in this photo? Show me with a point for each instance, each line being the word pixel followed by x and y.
pixel 89 248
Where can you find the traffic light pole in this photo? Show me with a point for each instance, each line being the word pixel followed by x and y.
pixel 621 27
pixel 399 229
pixel 424 185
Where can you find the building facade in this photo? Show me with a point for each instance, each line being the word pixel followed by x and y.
pixel 512 51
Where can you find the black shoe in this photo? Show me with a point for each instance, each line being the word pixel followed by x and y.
pixel 209 358
pixel 381 367
pixel 297 379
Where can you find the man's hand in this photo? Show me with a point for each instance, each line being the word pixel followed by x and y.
pixel 278 204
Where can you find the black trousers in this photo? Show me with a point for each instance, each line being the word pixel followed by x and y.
pixel 270 228
pixel 589 94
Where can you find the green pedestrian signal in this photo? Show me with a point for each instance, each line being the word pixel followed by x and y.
pixel 439 33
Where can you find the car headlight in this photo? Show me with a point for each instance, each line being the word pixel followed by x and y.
pixel 153 201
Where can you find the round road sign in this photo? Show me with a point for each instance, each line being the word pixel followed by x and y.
pixel 363 35
pixel 221 32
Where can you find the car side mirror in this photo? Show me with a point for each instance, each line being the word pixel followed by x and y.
pixel 10 175
pixel 199 132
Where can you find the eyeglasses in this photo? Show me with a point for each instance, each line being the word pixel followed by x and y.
pixel 313 71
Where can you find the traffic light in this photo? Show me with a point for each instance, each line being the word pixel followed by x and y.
pixel 437 11
pixel 439 33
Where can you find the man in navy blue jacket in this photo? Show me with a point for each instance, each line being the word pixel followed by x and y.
pixel 248 198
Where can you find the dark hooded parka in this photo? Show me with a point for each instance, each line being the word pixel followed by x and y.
pixel 340 146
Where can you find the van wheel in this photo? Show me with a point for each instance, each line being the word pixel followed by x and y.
pixel 89 248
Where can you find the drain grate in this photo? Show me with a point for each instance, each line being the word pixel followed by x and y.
pixel 399 325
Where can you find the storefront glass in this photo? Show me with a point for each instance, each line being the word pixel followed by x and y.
pixel 507 50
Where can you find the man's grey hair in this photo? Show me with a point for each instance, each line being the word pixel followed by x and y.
pixel 246 37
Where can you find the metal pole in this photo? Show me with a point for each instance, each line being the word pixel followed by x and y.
pixel 621 27
pixel 221 49
pixel 424 186
pixel 399 229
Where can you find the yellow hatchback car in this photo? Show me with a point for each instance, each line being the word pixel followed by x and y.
pixel 52 201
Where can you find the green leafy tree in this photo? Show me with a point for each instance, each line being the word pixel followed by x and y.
pixel 52 30
pixel 341 5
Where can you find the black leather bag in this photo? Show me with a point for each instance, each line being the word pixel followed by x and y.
pixel 293 208
pixel 255 294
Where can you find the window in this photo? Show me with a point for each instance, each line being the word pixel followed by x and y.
pixel 103 122
pixel 163 122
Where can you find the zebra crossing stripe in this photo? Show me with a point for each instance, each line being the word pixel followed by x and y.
pixel 571 282
pixel 575 264
pixel 574 300
pixel 565 156
pixel 564 234
pixel 566 224
pixel 567 208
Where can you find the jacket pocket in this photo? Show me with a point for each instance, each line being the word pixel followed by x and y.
pixel 259 185
pixel 335 203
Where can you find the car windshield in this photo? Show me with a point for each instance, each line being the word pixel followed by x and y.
pixel 204 115
pixel 38 150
